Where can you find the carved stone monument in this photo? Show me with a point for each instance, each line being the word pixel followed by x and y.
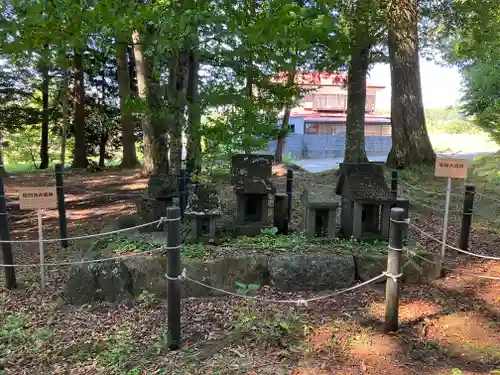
pixel 320 207
pixel 251 178
pixel 366 201
pixel 203 208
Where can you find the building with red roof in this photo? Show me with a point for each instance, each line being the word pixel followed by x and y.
pixel 323 106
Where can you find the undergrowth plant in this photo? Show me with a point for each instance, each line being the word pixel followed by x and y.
pixel 268 328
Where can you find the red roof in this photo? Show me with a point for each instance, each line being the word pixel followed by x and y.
pixel 318 78
pixel 340 117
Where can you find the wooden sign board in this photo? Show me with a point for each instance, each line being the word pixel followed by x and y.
pixel 37 198
pixel 451 168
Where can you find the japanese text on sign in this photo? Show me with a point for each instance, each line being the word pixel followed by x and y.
pixel 451 168
pixel 37 198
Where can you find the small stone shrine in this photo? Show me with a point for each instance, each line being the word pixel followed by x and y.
pixel 320 207
pixel 366 201
pixel 251 178
pixel 203 208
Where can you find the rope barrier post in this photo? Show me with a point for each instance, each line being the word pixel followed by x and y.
pixel 61 205
pixel 173 271
pixel 394 269
pixel 445 223
pixel 289 189
pixel 405 205
pixel 182 191
pixel 280 213
pixel 8 258
pixel 467 216
pixel 394 183
pixel 40 248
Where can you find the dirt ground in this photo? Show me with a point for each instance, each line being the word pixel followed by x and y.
pixel 452 323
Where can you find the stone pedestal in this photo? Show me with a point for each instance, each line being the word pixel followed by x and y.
pixel 202 210
pixel 320 207
pixel 251 177
pixel 366 201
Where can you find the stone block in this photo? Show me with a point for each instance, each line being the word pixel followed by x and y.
pixel 318 271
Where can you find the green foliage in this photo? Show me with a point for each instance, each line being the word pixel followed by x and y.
pixel 13 329
pixel 117 350
pixel 456 371
pixel 482 96
pixel 193 251
pixel 449 121
pixel 147 298
pixel 282 329
pixel 269 239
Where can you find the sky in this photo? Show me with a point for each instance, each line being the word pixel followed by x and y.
pixel 440 85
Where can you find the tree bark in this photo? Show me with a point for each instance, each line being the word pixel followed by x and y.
pixel 178 73
pixel 410 140
pixel 193 162
pixel 44 144
pixel 3 172
pixel 356 100
pixel 280 141
pixel 65 114
pixel 129 156
pixel 148 136
pixel 102 149
pixel 80 156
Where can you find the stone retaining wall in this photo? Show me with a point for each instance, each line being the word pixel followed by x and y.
pixel 288 272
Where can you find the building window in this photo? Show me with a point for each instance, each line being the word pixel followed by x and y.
pixel 291 128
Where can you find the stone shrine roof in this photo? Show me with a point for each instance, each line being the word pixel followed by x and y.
pixel 251 174
pixel 320 197
pixel 203 200
pixel 363 182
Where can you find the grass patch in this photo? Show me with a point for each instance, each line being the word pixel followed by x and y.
pixel 300 242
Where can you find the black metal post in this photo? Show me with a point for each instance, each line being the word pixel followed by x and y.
pixel 281 213
pixel 394 269
pixel 61 205
pixel 182 191
pixel 8 258
pixel 289 191
pixel 405 205
pixel 470 191
pixel 173 272
pixel 394 183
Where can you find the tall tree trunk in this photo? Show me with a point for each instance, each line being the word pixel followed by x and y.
pixel 65 114
pixel 178 73
pixel 356 100
pixel 193 162
pixel 148 136
pixel 280 142
pixel 132 74
pixel 3 172
pixel 410 140
pixel 80 156
pixel 44 144
pixel 129 157
pixel 102 149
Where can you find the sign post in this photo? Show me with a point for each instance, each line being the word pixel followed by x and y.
pixel 38 198
pixel 449 168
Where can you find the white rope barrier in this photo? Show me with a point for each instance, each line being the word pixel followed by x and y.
pixel 100 260
pixel 158 222
pixel 490 197
pixel 453 247
pixel 454 269
pixel 414 187
pixel 299 302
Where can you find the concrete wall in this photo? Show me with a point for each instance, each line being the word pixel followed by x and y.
pixel 298 122
pixel 319 146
